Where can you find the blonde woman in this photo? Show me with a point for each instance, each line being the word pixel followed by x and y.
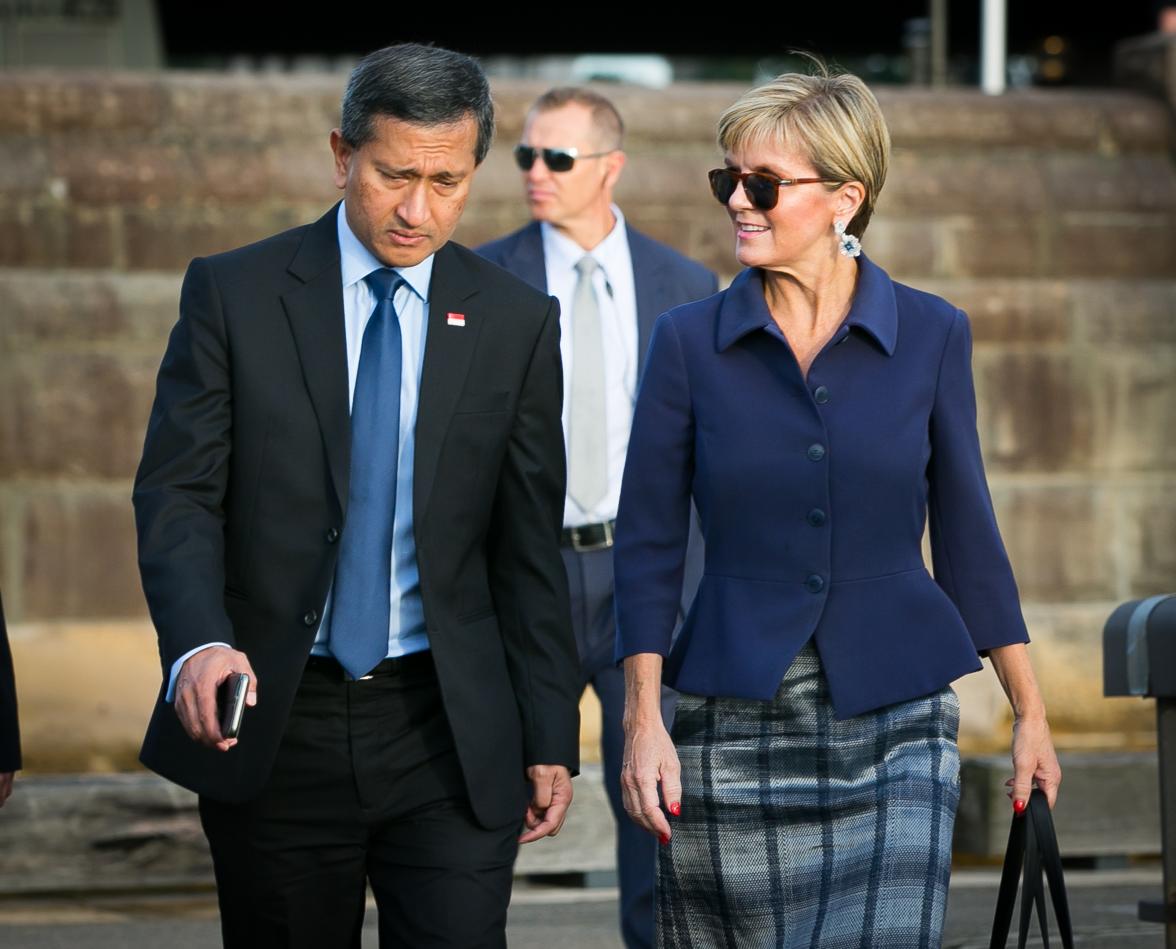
pixel 817 412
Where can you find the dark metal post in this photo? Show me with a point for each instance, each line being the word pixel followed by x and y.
pixel 1139 658
pixel 1165 912
pixel 938 17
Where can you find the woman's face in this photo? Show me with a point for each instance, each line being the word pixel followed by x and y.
pixel 799 229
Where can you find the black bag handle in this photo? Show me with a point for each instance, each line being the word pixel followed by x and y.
pixel 1032 841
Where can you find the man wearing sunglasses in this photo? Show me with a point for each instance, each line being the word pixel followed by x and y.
pixel 612 283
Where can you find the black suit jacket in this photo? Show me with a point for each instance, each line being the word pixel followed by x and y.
pixel 9 728
pixel 662 279
pixel 242 491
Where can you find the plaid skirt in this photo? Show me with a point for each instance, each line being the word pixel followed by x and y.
pixel 799 830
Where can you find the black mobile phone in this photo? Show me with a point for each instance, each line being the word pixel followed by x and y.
pixel 230 703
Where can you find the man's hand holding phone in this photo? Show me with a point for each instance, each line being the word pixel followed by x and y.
pixel 201 678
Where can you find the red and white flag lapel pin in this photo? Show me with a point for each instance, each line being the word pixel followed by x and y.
pixel 455 319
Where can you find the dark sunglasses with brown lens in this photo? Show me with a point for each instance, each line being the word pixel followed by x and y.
pixel 762 190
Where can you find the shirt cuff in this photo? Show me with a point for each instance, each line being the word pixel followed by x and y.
pixel 179 663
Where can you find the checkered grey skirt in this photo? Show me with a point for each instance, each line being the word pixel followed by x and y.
pixel 799 830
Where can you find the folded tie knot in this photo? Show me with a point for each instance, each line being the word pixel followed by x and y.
pixel 383 282
pixel 586 266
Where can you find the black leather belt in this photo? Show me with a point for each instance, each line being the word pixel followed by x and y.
pixel 399 665
pixel 588 536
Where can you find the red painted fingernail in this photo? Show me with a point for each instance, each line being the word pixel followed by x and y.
pixel 1018 806
pixel 675 808
pixel 665 839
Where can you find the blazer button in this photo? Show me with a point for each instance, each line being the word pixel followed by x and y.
pixel 332 534
pixel 821 394
pixel 816 517
pixel 310 617
pixel 814 584
pixel 816 452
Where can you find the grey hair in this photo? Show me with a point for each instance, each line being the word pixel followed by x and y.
pixel 425 85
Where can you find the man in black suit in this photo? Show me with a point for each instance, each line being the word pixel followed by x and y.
pixel 612 282
pixel 350 490
pixel 9 728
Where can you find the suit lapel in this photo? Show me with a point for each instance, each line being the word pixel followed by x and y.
pixel 315 313
pixel 449 350
pixel 649 284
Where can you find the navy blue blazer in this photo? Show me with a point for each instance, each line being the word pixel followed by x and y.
pixel 662 278
pixel 813 496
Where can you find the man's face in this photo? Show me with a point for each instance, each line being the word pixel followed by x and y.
pixel 563 198
pixel 406 188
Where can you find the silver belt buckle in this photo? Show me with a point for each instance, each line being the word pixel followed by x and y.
pixel 601 545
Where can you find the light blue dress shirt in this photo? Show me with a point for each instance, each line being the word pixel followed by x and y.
pixel 406 629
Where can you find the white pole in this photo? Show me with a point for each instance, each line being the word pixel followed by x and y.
pixel 992 47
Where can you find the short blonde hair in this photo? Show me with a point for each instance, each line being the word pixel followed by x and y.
pixel 606 120
pixel 833 119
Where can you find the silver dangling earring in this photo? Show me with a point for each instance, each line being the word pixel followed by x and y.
pixel 849 245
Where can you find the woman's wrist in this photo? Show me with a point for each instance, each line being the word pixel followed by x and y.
pixel 1030 713
pixel 642 691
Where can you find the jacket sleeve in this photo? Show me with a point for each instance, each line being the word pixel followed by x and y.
pixel 969 558
pixel 653 520
pixel 527 571
pixel 182 478
pixel 9 727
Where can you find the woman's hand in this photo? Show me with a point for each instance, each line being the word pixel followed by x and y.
pixel 1034 762
pixel 1034 759
pixel 650 759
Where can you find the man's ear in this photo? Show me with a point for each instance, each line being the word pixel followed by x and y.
pixel 614 163
pixel 342 151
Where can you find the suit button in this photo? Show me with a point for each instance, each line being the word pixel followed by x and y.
pixel 310 617
pixel 816 452
pixel 821 394
pixel 332 534
pixel 814 584
pixel 816 517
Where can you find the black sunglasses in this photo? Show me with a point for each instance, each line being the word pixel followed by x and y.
pixel 763 191
pixel 556 159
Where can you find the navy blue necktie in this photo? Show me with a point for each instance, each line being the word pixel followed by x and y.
pixel 363 575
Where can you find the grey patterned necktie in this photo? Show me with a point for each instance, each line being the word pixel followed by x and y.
pixel 588 423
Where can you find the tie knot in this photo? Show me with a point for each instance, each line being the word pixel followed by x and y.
pixel 586 266
pixel 383 282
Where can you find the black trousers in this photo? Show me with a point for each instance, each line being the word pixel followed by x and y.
pixel 366 788
pixel 590 582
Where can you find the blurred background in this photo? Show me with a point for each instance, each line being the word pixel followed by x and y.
pixel 135 135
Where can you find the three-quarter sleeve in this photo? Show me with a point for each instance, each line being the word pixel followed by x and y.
pixel 653 519
pixel 969 558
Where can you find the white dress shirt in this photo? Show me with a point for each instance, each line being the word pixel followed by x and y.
pixel 616 297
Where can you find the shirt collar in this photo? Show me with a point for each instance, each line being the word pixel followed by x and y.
pixel 873 309
pixel 357 262
pixel 562 251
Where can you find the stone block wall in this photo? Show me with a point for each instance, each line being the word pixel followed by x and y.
pixel 1049 216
